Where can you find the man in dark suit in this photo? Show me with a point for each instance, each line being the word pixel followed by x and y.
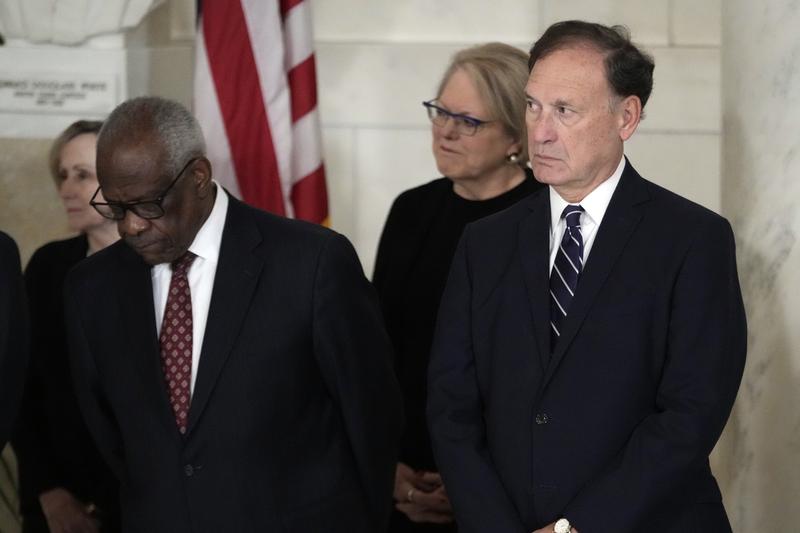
pixel 13 336
pixel 230 364
pixel 591 339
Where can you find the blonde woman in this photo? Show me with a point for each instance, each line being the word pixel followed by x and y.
pixel 64 484
pixel 480 147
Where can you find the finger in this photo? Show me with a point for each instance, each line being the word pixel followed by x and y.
pixel 403 470
pixel 441 492
pixel 432 501
pixel 444 504
pixel 54 527
pixel 402 490
pixel 405 481
pixel 406 493
pixel 407 475
pixel 433 478
pixel 79 523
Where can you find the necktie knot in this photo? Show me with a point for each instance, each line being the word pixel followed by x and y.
pixel 572 216
pixel 181 265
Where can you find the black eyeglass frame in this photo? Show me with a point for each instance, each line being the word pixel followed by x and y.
pixel 134 206
pixel 474 123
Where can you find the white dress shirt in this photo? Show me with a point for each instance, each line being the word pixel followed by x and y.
pixel 201 275
pixel 594 206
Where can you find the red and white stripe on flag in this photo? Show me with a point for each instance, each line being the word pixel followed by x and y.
pixel 256 100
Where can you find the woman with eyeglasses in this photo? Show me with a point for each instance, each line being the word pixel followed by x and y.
pixel 64 484
pixel 480 147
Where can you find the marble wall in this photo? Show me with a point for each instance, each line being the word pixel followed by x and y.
pixel 758 460
pixel 377 61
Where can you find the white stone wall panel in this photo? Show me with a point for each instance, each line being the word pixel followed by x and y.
pixel 648 20
pixel 413 21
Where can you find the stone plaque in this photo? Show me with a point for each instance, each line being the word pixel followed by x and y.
pixel 57 93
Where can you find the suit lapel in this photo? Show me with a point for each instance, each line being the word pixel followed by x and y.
pixel 534 243
pixel 234 284
pixel 135 299
pixel 621 218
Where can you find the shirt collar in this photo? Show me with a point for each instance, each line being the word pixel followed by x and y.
pixel 594 204
pixel 207 242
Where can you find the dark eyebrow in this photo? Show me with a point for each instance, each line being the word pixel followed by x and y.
pixel 562 103
pixel 531 99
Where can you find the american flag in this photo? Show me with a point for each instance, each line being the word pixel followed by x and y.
pixel 256 100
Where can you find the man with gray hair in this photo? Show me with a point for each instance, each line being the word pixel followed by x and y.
pixel 592 337
pixel 231 364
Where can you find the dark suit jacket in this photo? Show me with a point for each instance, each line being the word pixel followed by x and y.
pixel 295 415
pixel 13 335
pixel 52 443
pixel 614 429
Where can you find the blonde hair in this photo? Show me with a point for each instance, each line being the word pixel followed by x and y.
pixel 73 130
pixel 499 72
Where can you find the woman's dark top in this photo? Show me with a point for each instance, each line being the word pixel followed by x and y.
pixel 411 268
pixel 52 443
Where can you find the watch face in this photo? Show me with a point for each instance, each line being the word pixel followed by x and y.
pixel 562 526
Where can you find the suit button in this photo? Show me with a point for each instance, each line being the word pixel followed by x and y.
pixel 188 470
pixel 542 418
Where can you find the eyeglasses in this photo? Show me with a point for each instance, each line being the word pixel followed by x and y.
pixel 149 209
pixel 463 124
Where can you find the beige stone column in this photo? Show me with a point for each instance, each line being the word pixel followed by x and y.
pixel 758 460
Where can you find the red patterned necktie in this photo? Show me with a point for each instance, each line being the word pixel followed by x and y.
pixel 176 340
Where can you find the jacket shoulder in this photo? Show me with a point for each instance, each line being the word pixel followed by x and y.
pixel 501 227
pixel 491 244
pixel 679 212
pixel 97 268
pixel 56 252
pixel 9 255
pixel 287 229
pixel 8 248
pixel 295 244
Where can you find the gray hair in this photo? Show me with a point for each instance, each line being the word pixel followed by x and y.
pixel 174 127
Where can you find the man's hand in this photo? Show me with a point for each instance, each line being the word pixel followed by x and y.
pixel 421 496
pixel 549 528
pixel 65 513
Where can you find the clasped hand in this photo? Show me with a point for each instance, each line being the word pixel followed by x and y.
pixel 421 496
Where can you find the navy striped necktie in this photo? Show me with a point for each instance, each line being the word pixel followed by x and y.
pixel 566 271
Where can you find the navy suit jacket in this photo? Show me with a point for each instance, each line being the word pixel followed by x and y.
pixel 612 430
pixel 295 414
pixel 14 332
